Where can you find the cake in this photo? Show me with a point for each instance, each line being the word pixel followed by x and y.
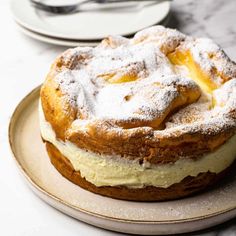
pixel 150 118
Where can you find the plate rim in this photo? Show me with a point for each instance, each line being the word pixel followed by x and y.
pixel 60 35
pixel 55 41
pixel 43 191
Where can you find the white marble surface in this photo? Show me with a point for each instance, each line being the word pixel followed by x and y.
pixel 23 65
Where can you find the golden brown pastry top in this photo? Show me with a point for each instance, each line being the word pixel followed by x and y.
pixel 159 96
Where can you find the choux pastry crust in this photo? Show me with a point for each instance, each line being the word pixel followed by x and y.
pixel 157 97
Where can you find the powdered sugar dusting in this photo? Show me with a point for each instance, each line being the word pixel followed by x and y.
pixel 154 89
pixel 211 59
pixel 99 86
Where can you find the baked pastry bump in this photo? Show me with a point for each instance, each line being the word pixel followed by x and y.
pixel 155 114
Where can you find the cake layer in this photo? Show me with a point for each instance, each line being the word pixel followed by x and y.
pixel 108 170
pixel 186 187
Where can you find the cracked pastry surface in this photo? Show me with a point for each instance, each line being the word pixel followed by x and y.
pixel 158 98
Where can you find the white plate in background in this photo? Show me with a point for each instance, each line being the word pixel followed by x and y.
pixel 89 25
pixel 66 42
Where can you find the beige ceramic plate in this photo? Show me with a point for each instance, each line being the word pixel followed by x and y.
pixel 189 214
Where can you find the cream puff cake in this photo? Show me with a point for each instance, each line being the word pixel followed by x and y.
pixel 150 118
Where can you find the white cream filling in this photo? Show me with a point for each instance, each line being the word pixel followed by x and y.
pixel 103 170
